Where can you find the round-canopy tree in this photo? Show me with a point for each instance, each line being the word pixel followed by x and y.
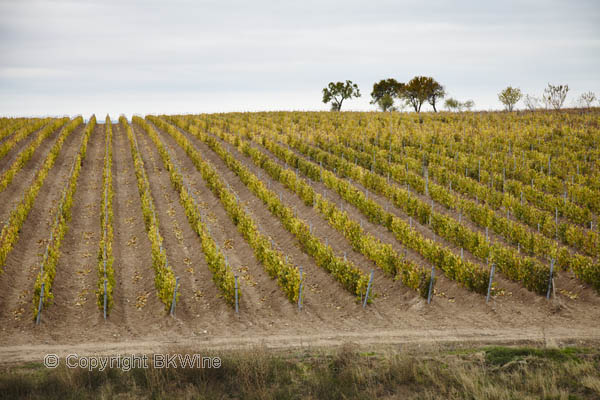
pixel 509 97
pixel 337 92
pixel 421 89
pixel 385 91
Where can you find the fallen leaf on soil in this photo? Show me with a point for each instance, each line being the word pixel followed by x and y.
pixel 132 241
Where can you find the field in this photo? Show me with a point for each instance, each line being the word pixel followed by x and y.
pixel 371 228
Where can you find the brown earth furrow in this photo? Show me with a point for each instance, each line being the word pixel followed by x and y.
pixel 515 297
pixel 262 304
pixel 137 309
pixel 23 263
pixel 321 301
pixel 394 299
pixel 11 156
pixel 564 281
pixel 13 193
pixel 198 296
pixel 76 277
pixel 388 291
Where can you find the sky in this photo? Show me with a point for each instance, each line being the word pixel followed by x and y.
pixel 141 57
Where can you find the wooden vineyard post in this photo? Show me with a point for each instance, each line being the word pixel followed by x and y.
pixel 430 284
pixel 368 290
pixel 174 296
pixel 489 291
pixel 39 314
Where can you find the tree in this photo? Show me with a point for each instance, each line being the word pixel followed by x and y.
pixel 338 92
pixel 509 97
pixel 384 92
pixel 434 91
pixel 554 96
pixel 416 92
pixel 469 104
pixel 452 104
pixel 531 102
pixel 587 99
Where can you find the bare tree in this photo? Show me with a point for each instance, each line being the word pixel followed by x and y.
pixel 531 102
pixel 587 99
pixel 554 96
pixel 469 104
pixel 509 97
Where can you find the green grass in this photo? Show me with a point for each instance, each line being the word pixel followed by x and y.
pixel 344 373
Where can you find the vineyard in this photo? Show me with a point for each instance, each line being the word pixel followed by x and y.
pixel 450 225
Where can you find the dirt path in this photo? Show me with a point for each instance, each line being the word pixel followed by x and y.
pixel 407 340
pixel 16 283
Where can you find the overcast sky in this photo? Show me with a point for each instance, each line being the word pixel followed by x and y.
pixel 83 57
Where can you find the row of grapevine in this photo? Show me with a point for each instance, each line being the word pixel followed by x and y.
pixel 106 272
pixel 45 277
pixel 482 215
pixel 27 153
pixel 448 133
pixel 505 166
pixel 569 140
pixel 10 231
pixel 500 183
pixel 164 278
pixel 223 277
pixel 526 270
pixel 350 277
pixel 531 273
pixel 538 154
pixel 11 125
pixel 584 267
pixel 462 271
pixel 288 277
pixel 378 154
pixel 21 134
pixel 383 255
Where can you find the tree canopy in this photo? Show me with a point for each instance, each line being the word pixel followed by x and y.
pixel 415 92
pixel 385 91
pixel 509 97
pixel 337 92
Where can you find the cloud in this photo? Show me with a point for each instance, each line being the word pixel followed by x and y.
pixel 234 55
